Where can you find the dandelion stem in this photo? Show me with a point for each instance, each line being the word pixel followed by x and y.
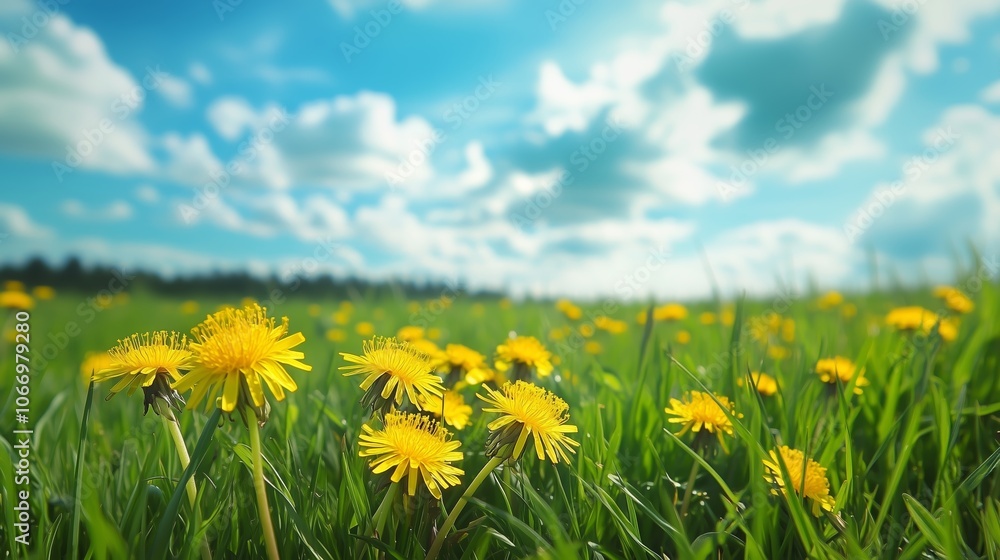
pixel 689 489
pixel 174 429
pixel 258 483
pixel 450 521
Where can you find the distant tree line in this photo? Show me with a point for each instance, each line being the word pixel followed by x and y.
pixel 73 275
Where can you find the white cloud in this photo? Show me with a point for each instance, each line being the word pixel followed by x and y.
pixel 115 211
pixel 348 142
pixel 147 194
pixel 189 160
pixel 992 93
pixel 58 87
pixel 200 73
pixel 175 90
pixel 772 19
pixel 17 222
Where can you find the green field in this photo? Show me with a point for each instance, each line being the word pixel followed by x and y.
pixel 910 460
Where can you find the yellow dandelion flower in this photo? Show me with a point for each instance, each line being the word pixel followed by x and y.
pixel 149 361
pixel 670 312
pixel 467 364
pixel 700 411
pixel 504 303
pixel 954 299
pixel 413 446
pixel 436 355
pixel 613 326
pixel 683 337
pixel 410 333
pixel 364 328
pixel 727 317
pixel 569 309
pixel 527 409
pixel 914 318
pixel 92 363
pixel 839 367
pixel 392 368
pixel 707 318
pixel 43 293
pixel 778 352
pixel 814 485
pixel 189 307
pixel 341 317
pixel 788 330
pixel 522 354
pixel 13 299
pixel 848 310
pixel 234 350
pixel 586 330
pixel 766 385
pixel 830 300
pixel 413 307
pixel 346 306
pixel 451 406
pixel 433 333
pixel 336 335
pixel 593 347
pixel 13 286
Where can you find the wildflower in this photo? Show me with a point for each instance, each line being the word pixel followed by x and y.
pixel 451 406
pixel 727 317
pixel 569 309
pixel 437 356
pixel 914 318
pixel 414 446
pixel 364 328
pixel 150 361
pixel 433 333
pixel 92 363
pixel 521 354
pixel 43 293
pixel 683 337
pixel 336 335
pixel 612 326
pixel 587 330
pixel 765 384
pixel 341 317
pixel 593 347
pixel 670 312
pixel 840 368
pixel 189 307
pixel 707 318
pixel 699 410
pixel 505 303
pixel 14 299
pixel 848 310
pixel 527 409
pixel 788 329
pixel 13 286
pixel 830 300
pixel 392 368
pixel 466 364
pixel 410 333
pixel 235 350
pixel 778 352
pixel 954 299
pixel 814 485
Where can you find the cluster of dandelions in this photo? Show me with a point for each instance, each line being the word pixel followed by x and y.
pixel 228 360
pixel 412 387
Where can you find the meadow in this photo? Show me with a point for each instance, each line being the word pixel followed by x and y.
pixel 898 440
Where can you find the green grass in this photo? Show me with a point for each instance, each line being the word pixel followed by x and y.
pixel 911 460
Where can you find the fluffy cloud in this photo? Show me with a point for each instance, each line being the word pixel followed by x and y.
pixel 116 211
pixel 17 222
pixel 348 142
pixel 59 86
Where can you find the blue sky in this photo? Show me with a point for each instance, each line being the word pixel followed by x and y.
pixel 577 148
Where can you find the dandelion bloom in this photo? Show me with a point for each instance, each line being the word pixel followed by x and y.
pixel 778 352
pixel 914 318
pixel 707 318
pixel 683 337
pixel 410 333
pixel 451 406
pixel 527 409
pixel 189 307
pixel 830 300
pixel 392 368
pixel 700 411
pixel 670 312
pixel 234 350
pixel 149 361
pixel 954 299
pixel 93 362
pixel 848 310
pixel 839 367
pixel 364 328
pixel 593 347
pixel 524 353
pixel 765 384
pixel 44 292
pixel 336 335
pixel 434 353
pixel 815 487
pixel 613 326
pixel 15 299
pixel 569 309
pixel 468 363
pixel 416 446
